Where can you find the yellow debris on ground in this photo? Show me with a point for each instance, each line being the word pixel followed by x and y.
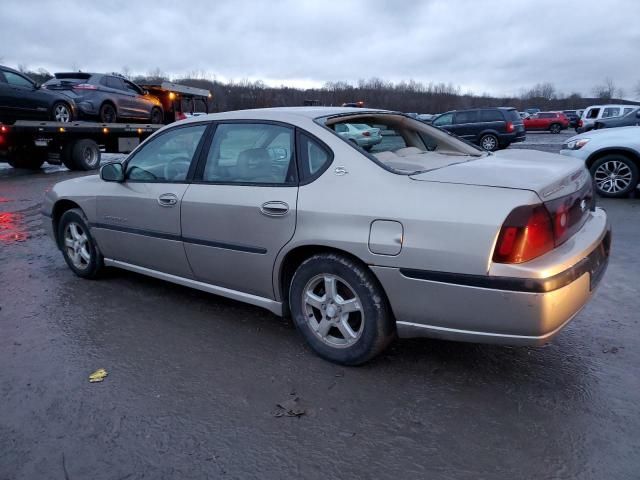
pixel 98 375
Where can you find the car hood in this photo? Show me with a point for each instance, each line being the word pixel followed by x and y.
pixel 548 174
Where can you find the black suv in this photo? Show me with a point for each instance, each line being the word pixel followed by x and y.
pixel 489 128
pixel 22 99
pixel 110 98
pixel 573 117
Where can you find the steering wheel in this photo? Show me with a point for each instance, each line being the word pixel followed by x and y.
pixel 177 168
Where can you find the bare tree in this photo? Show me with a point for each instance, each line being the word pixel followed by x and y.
pixel 607 90
pixel 126 72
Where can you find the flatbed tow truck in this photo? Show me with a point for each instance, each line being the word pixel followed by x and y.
pixel 78 145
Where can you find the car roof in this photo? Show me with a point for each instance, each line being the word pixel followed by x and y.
pixel 13 70
pixel 288 114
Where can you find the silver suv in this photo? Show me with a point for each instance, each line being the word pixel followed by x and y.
pixel 429 236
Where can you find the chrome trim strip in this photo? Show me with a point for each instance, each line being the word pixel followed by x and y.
pixel 271 305
pixel 486 334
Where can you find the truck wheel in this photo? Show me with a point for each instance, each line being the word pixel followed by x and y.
pixel 489 142
pixel 340 309
pixel 84 155
pixel 61 112
pixel 614 175
pixel 27 157
pixel 555 128
pixel 156 116
pixel 108 113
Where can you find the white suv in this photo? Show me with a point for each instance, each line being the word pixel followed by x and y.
pixel 597 112
pixel 612 156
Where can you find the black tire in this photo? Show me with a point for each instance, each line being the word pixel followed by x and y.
pixel 368 148
pixel 625 169
pixel 374 321
pixel 489 142
pixel 65 156
pixel 156 116
pixel 29 158
pixel 108 113
pixel 88 269
pixel 555 128
pixel 61 112
pixel 84 155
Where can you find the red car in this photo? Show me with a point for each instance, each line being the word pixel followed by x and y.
pixel 555 122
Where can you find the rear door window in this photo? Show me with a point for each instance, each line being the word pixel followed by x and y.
pixel 592 113
pixel 491 116
pixel 467 117
pixel 115 82
pixel 313 158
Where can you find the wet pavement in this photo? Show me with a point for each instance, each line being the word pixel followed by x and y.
pixel 194 381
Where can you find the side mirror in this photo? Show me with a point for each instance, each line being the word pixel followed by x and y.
pixel 638 114
pixel 36 85
pixel 112 172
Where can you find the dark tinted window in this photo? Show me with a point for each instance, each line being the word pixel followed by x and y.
pixel 17 80
pixel 115 82
pixel 512 115
pixel 470 116
pixel 132 87
pixel 491 116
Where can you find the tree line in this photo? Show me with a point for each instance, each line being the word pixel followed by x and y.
pixel 405 96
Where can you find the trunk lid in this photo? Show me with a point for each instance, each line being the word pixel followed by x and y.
pixel 550 175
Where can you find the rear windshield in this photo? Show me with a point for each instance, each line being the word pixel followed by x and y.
pixel 512 115
pixel 404 146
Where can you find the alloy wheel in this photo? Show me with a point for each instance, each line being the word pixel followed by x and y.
pixel 613 176
pixel 76 244
pixel 489 143
pixel 61 113
pixel 333 310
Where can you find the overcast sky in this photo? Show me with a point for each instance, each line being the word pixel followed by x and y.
pixel 500 47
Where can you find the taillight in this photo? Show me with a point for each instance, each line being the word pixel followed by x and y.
pixel 580 122
pixel 366 134
pixel 510 127
pixel 84 86
pixel 526 234
pixel 4 128
pixel 180 116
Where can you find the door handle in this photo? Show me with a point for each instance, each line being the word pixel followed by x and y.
pixel 274 209
pixel 167 200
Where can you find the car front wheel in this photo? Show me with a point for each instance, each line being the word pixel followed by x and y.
pixel 340 309
pixel 78 246
pixel 614 175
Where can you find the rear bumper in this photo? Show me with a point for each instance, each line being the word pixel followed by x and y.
pixel 495 309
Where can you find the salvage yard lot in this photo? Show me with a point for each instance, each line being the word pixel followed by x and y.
pixel 195 380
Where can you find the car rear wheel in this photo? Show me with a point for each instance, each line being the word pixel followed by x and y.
pixel 555 128
pixel 108 113
pixel 156 116
pixel 614 175
pixel 489 142
pixel 78 246
pixel 340 309
pixel 61 112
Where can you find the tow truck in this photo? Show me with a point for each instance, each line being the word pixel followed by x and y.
pixel 79 145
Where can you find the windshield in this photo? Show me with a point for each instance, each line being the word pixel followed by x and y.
pixel 401 144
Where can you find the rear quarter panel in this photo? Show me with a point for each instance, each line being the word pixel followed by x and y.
pixel 447 227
